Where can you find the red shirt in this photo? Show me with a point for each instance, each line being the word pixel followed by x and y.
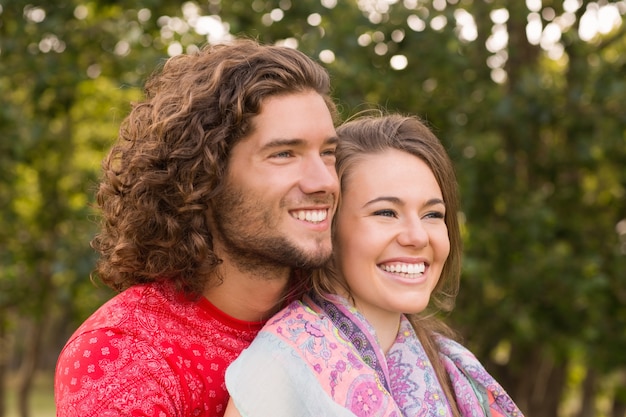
pixel 149 351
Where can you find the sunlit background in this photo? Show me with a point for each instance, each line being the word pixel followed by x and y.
pixel 528 98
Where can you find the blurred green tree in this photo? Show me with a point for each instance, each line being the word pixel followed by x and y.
pixel 528 97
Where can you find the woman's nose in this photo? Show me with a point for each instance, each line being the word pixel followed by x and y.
pixel 413 234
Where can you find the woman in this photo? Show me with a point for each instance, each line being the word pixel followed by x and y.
pixel 366 341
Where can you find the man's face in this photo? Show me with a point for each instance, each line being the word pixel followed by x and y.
pixel 281 187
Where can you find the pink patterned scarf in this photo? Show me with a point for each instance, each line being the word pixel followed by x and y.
pixel 406 373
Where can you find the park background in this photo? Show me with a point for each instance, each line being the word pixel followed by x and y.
pixel 529 98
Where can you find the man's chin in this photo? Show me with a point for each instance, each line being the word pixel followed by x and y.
pixel 313 257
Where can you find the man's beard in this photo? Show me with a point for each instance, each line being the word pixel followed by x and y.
pixel 250 235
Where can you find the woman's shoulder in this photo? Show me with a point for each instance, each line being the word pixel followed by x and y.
pixel 296 318
pixel 453 348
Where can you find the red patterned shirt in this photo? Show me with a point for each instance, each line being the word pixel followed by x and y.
pixel 149 351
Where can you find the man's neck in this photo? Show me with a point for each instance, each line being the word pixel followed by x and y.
pixel 247 296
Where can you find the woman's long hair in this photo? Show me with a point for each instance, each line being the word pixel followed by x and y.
pixel 373 134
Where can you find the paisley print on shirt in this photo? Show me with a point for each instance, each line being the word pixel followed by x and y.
pixel 149 351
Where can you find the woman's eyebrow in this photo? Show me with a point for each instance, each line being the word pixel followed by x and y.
pixel 389 199
pixel 434 202
pixel 398 201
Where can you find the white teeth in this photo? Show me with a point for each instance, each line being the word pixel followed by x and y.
pixel 409 269
pixel 313 216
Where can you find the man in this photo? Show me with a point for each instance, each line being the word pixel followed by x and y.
pixel 220 188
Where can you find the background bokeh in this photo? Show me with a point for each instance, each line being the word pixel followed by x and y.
pixel 529 98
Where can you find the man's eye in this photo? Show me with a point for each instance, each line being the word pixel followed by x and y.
pixel 283 154
pixel 329 152
pixel 385 213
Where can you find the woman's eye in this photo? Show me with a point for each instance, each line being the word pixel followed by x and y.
pixel 435 215
pixel 385 213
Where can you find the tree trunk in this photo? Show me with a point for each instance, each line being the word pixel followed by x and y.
pixel 28 368
pixel 619 397
pixel 587 408
pixel 33 344
pixel 3 363
pixel 619 409
pixel 539 392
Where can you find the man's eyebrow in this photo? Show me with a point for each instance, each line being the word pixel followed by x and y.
pixel 278 143
pixel 333 140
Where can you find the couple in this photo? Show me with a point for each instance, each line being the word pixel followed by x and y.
pixel 217 204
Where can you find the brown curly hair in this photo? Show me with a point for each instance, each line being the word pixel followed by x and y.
pixel 172 154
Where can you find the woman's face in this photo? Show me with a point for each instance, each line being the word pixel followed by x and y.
pixel 391 238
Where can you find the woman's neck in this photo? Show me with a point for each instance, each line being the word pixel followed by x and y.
pixel 385 323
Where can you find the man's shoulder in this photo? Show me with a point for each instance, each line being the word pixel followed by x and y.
pixel 147 344
pixel 159 318
pixel 129 320
pixel 124 309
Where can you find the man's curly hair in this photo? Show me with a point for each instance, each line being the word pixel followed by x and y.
pixel 172 154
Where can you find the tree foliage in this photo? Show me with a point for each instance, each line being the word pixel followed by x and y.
pixel 527 98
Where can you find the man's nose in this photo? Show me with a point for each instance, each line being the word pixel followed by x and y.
pixel 318 176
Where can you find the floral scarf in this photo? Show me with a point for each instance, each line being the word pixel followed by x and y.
pixel 329 354
pixel 409 376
